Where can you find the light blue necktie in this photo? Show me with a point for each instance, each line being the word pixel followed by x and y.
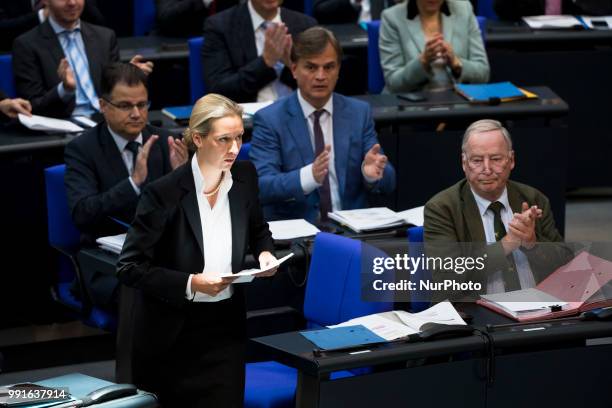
pixel 78 62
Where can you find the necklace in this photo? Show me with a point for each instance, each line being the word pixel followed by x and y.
pixel 216 190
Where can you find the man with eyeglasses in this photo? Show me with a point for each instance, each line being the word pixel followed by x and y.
pixel 486 207
pixel 108 166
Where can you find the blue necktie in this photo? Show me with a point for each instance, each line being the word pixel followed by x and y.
pixel 78 62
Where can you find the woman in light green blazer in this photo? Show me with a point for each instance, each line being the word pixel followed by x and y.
pixel 431 44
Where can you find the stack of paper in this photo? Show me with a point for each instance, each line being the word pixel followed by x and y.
pixel 367 219
pixel 291 229
pixel 414 216
pixel 251 108
pixel 247 275
pixel 552 22
pixel 50 125
pixel 396 324
pixel 598 23
pixel 582 284
pixel 112 243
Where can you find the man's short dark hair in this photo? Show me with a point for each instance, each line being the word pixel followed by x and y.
pixel 312 42
pixel 123 73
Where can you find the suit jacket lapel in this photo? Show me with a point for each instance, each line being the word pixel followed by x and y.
pixel 515 198
pixel 112 155
pixel 93 52
pixel 189 202
pixel 52 44
pixel 297 127
pixel 155 162
pixel 471 215
pixel 238 214
pixel 247 36
pixel 447 27
pixel 416 33
pixel 341 126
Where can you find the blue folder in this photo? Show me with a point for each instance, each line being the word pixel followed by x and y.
pixel 178 113
pixel 487 92
pixel 340 337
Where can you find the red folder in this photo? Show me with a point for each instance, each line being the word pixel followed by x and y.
pixel 581 283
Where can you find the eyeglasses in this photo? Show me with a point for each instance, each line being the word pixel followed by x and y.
pixel 497 162
pixel 128 107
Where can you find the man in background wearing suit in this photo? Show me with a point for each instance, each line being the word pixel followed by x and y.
pixel 185 18
pixel 246 50
pixel 19 16
pixel 11 107
pixel 317 151
pixel 504 218
pixel 57 65
pixel 515 9
pixel 107 166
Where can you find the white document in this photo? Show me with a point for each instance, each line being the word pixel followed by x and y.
pixel 250 108
pixel 589 22
pixel 398 323
pixel 524 301
pixel 443 312
pixel 414 216
pixel 113 243
pixel 290 229
pixel 85 121
pixel 366 219
pixel 247 275
pixel 543 22
pixel 381 324
pixel 45 124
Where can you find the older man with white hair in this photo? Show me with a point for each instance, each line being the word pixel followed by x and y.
pixel 506 218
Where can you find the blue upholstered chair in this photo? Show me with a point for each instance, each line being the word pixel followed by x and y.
pixel 7 81
pixel 482 24
pixel 376 80
pixel 485 9
pixel 64 236
pixel 243 154
pixel 308 7
pixel 333 295
pixel 196 72
pixel 145 14
pixel 415 250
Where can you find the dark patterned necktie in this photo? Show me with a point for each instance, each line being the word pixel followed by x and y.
pixel 510 275
pixel 133 147
pixel 325 204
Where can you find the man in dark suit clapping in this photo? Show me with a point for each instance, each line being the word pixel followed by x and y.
pixel 246 50
pixel 58 64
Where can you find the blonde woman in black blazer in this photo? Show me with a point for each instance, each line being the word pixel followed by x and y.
pixel 183 327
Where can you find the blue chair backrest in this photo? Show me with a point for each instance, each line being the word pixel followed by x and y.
pixel 244 151
pixel 196 72
pixel 415 250
pixel 145 14
pixel 7 81
pixel 308 7
pixel 62 231
pixel 333 291
pixel 485 8
pixel 482 24
pixel 376 80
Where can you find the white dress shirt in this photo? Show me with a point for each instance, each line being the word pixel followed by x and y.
pixel 307 179
pixel 275 89
pixel 495 282
pixel 216 234
pixel 126 155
